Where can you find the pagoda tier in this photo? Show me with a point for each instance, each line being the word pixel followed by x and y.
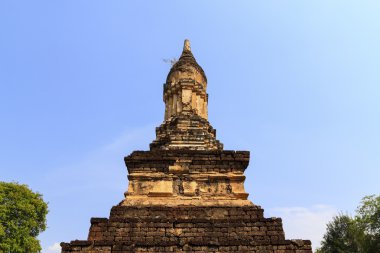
pixel 187 229
pixel 186 131
pixel 187 178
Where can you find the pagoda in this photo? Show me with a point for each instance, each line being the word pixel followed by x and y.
pixel 186 194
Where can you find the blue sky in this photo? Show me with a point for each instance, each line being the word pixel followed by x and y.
pixel 295 82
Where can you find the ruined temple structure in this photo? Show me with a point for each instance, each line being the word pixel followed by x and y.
pixel 186 194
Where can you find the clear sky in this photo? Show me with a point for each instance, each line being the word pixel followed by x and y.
pixel 297 83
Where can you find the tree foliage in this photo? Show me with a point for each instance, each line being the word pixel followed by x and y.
pixel 358 234
pixel 22 218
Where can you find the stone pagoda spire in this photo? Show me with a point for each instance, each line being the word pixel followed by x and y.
pixel 185 87
pixel 186 194
pixel 186 123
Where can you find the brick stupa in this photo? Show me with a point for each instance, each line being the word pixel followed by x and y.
pixel 186 194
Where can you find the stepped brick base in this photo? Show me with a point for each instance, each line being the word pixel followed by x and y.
pixel 187 229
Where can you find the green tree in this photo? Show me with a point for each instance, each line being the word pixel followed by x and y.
pixel 22 218
pixel 358 234
pixel 340 236
pixel 368 222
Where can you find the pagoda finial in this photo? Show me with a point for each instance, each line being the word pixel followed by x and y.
pixel 186 45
